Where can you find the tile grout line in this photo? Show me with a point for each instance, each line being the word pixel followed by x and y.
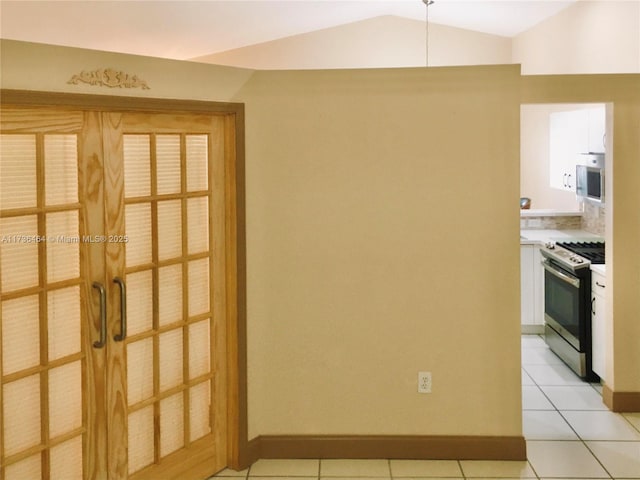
pixel 568 423
pixel 573 430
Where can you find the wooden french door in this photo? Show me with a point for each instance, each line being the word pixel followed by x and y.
pixel 114 245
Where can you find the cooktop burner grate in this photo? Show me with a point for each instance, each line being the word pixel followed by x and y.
pixel 592 251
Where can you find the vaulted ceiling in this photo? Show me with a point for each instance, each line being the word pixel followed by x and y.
pixel 185 29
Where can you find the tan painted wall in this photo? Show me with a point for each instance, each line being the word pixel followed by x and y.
pixel 386 41
pixel 34 66
pixel 364 191
pixel 623 205
pixel 625 239
pixel 587 37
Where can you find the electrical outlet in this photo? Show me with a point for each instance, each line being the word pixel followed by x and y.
pixel 424 382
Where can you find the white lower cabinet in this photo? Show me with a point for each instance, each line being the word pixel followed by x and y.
pixel 598 325
pixel 532 289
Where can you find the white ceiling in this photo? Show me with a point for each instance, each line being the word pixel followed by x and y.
pixel 183 29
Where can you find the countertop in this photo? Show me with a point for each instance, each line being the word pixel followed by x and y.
pixel 549 213
pixel 532 237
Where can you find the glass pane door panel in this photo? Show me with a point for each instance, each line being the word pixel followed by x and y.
pixel 20 334
pixel 66 460
pixel 170 359
pixel 138 228
pixel 17 172
pixel 199 410
pixel 198 222
pixel 199 349
pixel 168 169
pixel 21 414
pixel 141 439
pixel 169 229
pixel 140 310
pixel 170 294
pixel 65 399
pixel 171 424
pixel 63 246
pixel 30 467
pixel 137 165
pixel 199 287
pixel 140 378
pixel 197 162
pixel 63 310
pixel 61 169
pixel 19 252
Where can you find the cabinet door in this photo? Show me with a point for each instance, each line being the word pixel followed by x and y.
pixel 568 138
pixel 596 129
pixel 53 379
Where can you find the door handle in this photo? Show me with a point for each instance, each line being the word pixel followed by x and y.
pixel 123 310
pixel 593 310
pixel 103 315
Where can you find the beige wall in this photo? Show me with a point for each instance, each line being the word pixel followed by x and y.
pixel 386 41
pixel 623 242
pixel 34 66
pixel 364 189
pixel 587 37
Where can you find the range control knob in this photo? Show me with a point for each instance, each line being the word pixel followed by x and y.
pixel 550 245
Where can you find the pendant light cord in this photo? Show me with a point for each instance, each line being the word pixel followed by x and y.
pixel 426 44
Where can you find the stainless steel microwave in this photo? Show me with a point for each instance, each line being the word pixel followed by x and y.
pixel 590 177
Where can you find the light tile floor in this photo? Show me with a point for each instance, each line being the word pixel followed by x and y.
pixel 570 434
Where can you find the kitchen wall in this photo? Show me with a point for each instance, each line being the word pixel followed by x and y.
pixel 587 37
pixel 386 41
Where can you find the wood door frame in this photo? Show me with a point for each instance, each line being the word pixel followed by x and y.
pixel 237 431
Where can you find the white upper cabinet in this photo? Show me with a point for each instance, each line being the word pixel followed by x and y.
pixel 597 138
pixel 571 134
pixel 568 137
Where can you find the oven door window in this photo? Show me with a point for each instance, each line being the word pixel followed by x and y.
pixel 561 303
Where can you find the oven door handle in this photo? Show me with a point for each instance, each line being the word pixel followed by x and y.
pixel 562 276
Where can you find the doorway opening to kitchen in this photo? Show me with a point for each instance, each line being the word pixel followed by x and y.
pixel 565 182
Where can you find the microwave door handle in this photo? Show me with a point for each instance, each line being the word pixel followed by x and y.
pixel 562 276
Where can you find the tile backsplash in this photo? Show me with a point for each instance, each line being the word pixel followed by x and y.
pixel 593 219
pixel 543 222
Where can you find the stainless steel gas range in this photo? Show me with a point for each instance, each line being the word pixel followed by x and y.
pixel 567 301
